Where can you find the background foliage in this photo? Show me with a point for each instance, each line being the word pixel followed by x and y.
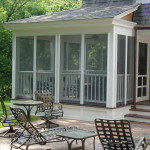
pixel 19 9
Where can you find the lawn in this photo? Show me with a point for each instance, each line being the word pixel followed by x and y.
pixel 7 104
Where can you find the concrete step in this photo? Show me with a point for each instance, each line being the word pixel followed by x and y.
pixel 140 111
pixel 146 102
pixel 138 118
pixel 143 106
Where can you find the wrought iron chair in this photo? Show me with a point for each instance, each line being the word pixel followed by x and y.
pixel 48 110
pixel 117 135
pixel 7 121
pixel 29 135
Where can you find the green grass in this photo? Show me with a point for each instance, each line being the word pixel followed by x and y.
pixel 7 104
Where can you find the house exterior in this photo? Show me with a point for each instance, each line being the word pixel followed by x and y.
pixel 93 59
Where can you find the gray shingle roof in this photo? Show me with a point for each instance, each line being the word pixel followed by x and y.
pixel 142 15
pixel 79 13
pixel 107 2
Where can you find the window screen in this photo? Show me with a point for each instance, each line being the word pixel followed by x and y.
pixel 25 53
pixel 45 53
pixel 96 52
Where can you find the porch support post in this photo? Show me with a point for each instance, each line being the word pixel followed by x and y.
pixel 82 68
pixel 57 68
pixel 135 71
pixel 111 70
pixel 14 67
pixel 34 66
pixel 125 81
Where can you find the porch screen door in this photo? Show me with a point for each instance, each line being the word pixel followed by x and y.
pixel 70 68
pixel 142 81
pixel 24 67
pixel 45 63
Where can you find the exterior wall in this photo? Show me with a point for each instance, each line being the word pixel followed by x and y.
pixel 143 36
pixel 90 113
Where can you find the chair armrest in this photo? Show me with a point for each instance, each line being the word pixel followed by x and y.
pixel 141 142
pixel 113 143
pixel 59 106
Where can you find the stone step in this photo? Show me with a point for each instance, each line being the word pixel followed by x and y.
pixel 147 102
pixel 143 106
pixel 138 118
pixel 140 111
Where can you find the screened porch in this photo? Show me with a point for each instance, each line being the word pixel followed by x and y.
pixel 77 73
pixel 40 66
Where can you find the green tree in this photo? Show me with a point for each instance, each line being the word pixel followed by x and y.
pixel 19 9
pixel 5 62
pixel 11 7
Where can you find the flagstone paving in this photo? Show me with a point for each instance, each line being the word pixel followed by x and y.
pixel 138 130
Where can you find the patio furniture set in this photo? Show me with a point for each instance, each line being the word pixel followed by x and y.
pixel 113 134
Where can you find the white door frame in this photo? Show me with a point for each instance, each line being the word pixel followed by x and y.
pixel 147 86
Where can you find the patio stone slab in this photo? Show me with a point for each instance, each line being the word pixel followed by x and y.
pixel 138 130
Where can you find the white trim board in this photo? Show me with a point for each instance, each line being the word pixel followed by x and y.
pixel 143 1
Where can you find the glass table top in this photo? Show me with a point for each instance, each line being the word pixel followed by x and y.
pixel 77 134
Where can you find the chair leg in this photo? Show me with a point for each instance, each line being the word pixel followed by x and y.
pixel 7 132
pixel 27 147
pixel 48 124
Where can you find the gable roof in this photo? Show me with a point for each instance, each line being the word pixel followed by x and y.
pixel 142 15
pixel 95 12
pixel 107 2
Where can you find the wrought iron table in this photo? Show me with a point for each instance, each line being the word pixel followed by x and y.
pixel 28 105
pixel 77 134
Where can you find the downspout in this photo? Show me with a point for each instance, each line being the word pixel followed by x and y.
pixel 135 65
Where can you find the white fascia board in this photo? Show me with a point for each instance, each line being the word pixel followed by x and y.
pixel 127 12
pixel 123 23
pixel 143 1
pixel 145 26
pixel 58 24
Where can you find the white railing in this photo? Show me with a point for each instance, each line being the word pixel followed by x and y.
pixel 45 81
pixel 142 85
pixel 130 87
pixel 120 87
pixel 70 85
pixel 95 86
pixel 24 84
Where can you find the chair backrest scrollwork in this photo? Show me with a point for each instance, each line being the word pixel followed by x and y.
pixel 46 97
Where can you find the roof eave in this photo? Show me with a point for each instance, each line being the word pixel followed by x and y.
pixel 57 24
pixel 124 23
pixel 145 26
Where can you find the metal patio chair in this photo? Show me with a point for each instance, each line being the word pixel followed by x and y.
pixel 48 110
pixel 117 135
pixel 29 135
pixel 7 121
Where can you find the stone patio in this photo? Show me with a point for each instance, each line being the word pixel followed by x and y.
pixel 138 130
